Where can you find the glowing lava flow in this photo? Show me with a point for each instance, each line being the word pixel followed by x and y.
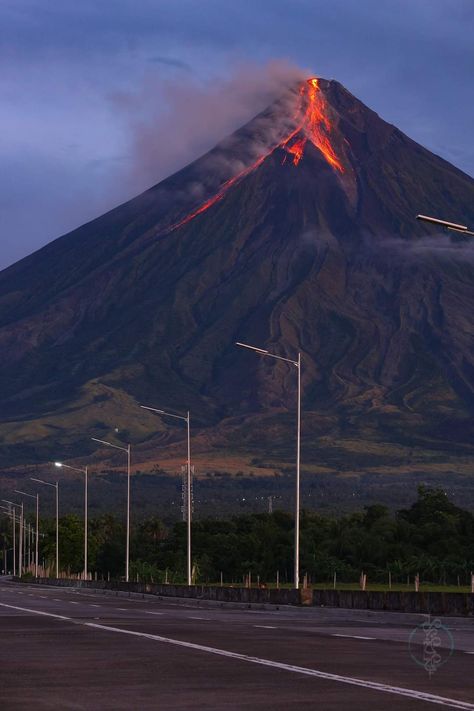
pixel 218 196
pixel 316 127
pixel 312 122
pixel 297 150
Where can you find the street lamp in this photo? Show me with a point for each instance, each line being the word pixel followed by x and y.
pixel 8 511
pixel 453 226
pixel 84 471
pixel 127 545
pixel 188 481
pixel 55 486
pixel 28 545
pixel 20 535
pixel 297 364
pixel 33 496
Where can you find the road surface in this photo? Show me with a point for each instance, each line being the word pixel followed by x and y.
pixel 66 649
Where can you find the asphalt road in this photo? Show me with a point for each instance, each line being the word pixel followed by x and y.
pixel 65 649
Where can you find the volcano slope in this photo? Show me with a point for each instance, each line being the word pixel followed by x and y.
pixel 295 233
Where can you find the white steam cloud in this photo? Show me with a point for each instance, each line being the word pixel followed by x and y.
pixel 439 245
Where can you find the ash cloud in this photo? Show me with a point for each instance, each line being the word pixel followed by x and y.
pixel 171 123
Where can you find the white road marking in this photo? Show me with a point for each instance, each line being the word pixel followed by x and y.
pixel 353 681
pixel 149 612
pixel 257 612
pixel 92 605
pixel 266 627
pixel 351 636
pixel 122 609
pixel 71 602
pixel 198 618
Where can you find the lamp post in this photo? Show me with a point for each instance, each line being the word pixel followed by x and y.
pixel 20 535
pixel 126 449
pixel 55 486
pixel 34 496
pixel 188 480
pixel 7 512
pixel 12 515
pixel 453 226
pixel 297 364
pixel 28 546
pixel 84 471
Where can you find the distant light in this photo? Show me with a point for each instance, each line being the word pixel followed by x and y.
pixel 58 464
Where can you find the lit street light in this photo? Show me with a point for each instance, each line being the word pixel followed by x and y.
pixel 55 486
pixel 453 226
pixel 127 545
pixel 34 496
pixel 20 536
pixel 188 481
pixel 84 471
pixel 297 364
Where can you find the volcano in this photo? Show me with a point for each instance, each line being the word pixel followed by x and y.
pixel 295 233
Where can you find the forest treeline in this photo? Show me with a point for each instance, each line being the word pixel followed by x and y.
pixel 433 537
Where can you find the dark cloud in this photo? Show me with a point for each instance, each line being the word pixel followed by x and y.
pixel 170 62
pixel 61 61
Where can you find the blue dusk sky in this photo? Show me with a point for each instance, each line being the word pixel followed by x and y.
pixel 101 100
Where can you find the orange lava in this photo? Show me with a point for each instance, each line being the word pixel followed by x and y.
pixel 218 196
pixel 312 122
pixel 297 150
pixel 316 126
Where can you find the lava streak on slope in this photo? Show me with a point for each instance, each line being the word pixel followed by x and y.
pixel 312 124
pixel 296 149
pixel 317 126
pixel 219 195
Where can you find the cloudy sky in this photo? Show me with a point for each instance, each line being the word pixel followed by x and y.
pixel 102 99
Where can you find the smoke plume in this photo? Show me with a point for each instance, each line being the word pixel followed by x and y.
pixel 171 123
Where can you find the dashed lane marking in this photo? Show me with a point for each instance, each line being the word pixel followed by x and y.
pixel 315 673
pixel 351 636
pixel 266 627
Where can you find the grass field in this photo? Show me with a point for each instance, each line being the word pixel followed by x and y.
pixel 396 587
pixel 375 587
